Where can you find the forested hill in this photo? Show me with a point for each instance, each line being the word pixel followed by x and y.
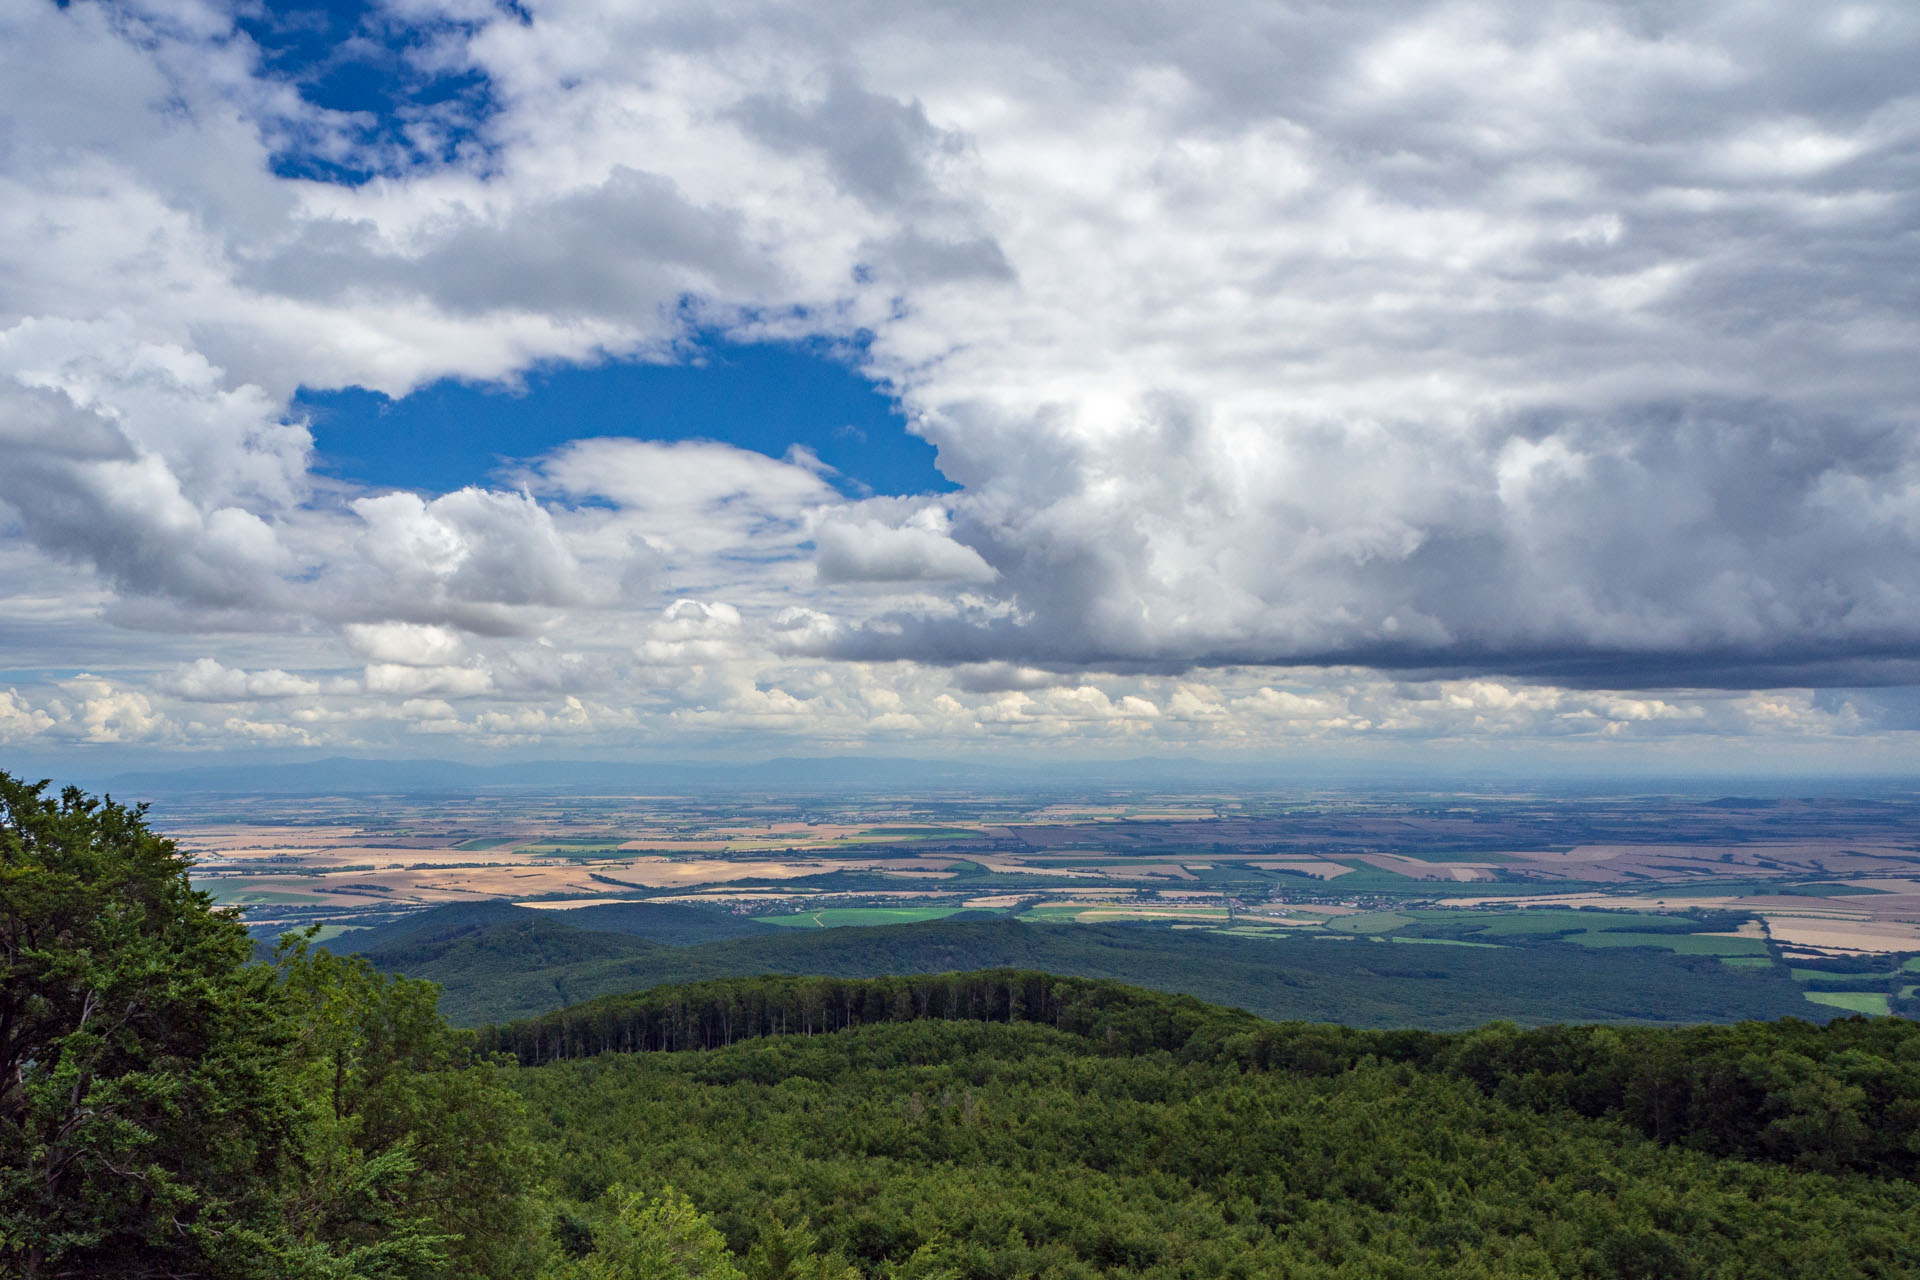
pixel 1846 1095
pixel 1110 1132
pixel 529 962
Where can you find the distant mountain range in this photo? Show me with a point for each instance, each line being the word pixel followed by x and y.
pixel 343 775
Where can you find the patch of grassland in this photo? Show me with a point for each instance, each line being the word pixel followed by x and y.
pixel 1555 921
pixel 839 917
pixel 334 930
pixel 1821 889
pixel 491 842
pixel 240 896
pixel 1370 922
pixel 566 850
pixel 1854 1001
pixel 1747 962
pixel 1686 944
pixel 1519 924
pixel 1447 942
pixel 1822 975
pixel 1366 878
pixel 1119 915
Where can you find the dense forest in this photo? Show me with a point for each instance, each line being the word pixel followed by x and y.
pixel 173 1106
pixel 498 962
pixel 981 1149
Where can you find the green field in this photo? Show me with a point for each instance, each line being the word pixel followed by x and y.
pixel 236 896
pixel 335 930
pixel 1855 1001
pixel 838 917
pixel 1365 878
pixel 1449 942
pixel 1822 889
pixel 475 846
pixel 558 845
pixel 1120 911
pixel 1552 921
pixel 1370 922
pixel 1911 966
pixel 1686 944
pixel 1823 975
pixel 1754 962
pixel 568 850
pixel 917 833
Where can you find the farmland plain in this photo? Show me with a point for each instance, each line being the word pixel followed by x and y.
pixel 1827 888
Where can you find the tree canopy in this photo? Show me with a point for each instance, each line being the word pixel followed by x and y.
pixel 171 1107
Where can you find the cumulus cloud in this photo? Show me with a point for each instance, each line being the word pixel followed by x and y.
pixel 480 559
pixel 206 680
pixel 94 709
pixel 18 721
pixel 408 643
pixel 167 517
pixel 1513 351
pixel 406 680
pixel 691 496
pixel 920 550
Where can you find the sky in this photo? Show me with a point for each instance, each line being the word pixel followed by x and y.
pixel 1414 382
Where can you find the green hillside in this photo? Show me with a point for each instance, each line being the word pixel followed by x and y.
pixel 500 971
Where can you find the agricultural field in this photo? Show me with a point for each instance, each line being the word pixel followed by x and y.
pixel 1788 883
pixel 1851 1001
pixel 856 917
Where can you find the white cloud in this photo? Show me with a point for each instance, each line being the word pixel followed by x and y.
pixel 920 550
pixel 18 721
pixel 206 680
pixel 408 643
pixel 1520 349
pixel 97 710
pixel 415 681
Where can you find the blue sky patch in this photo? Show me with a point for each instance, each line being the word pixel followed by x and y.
pixel 349 56
pixel 764 398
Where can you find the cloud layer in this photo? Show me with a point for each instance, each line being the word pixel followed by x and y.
pixel 1438 349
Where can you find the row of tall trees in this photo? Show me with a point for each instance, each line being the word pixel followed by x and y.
pixel 711 1015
